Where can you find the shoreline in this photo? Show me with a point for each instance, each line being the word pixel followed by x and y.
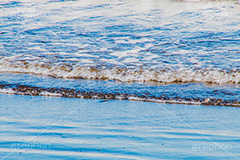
pixel 83 94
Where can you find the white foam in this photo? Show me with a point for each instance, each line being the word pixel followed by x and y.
pixel 45 93
pixel 130 60
pixel 141 74
pixel 7 91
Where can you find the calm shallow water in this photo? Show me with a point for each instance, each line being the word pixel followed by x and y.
pixel 70 128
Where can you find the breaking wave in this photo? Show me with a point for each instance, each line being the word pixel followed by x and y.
pixel 122 74
pixel 168 51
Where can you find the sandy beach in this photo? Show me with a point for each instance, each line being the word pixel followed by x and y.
pixel 34 127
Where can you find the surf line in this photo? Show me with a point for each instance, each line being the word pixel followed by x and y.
pixel 91 94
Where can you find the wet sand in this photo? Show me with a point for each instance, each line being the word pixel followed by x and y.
pixel 38 127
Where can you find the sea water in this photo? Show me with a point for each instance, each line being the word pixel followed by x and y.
pixel 161 51
pixel 56 128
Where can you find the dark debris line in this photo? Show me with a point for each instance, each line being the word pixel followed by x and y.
pixel 73 93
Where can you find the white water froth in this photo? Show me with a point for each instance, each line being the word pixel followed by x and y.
pixel 135 74
pixel 161 41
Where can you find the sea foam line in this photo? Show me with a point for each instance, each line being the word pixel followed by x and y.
pixel 73 93
pixel 124 74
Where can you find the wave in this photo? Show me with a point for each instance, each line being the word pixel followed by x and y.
pixel 122 73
